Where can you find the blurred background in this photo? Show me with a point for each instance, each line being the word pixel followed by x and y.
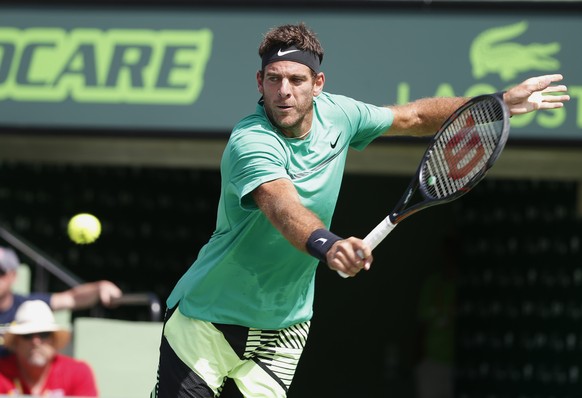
pixel 122 109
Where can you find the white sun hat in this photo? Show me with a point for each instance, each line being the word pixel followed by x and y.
pixel 35 316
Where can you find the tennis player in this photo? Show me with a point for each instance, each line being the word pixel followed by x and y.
pixel 238 320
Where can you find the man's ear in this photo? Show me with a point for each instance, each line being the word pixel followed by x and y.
pixel 319 83
pixel 260 82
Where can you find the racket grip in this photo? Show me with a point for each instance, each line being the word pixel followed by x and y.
pixel 374 238
pixel 378 234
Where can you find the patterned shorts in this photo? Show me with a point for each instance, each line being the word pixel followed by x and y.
pixel 200 359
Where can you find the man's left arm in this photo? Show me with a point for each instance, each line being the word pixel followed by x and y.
pixel 425 116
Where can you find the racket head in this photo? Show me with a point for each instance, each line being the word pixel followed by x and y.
pixel 464 149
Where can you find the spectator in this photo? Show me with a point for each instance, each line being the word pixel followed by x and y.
pixel 35 366
pixel 79 297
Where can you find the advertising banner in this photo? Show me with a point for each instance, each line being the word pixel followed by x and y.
pixel 192 71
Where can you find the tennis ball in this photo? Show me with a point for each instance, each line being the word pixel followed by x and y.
pixel 431 180
pixel 84 228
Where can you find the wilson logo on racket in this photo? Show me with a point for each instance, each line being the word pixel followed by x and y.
pixel 462 145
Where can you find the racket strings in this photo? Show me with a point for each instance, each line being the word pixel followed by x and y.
pixel 463 150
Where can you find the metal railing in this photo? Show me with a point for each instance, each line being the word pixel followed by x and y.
pixel 45 266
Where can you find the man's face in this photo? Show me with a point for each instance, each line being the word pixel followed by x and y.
pixel 36 349
pixel 288 89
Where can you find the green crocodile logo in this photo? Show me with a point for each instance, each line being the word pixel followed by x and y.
pixel 492 52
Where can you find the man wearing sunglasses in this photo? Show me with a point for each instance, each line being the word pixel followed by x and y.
pixel 35 366
pixel 83 296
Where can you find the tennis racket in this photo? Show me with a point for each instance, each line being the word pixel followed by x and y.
pixel 457 158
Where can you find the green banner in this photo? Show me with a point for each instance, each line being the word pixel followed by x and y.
pixel 193 70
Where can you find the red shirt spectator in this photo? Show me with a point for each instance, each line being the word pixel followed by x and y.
pixel 66 377
pixel 34 366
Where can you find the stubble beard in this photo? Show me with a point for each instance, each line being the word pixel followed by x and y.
pixel 295 121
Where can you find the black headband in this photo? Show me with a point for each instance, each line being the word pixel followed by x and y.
pixel 294 54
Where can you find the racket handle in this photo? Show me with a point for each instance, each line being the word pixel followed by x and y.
pixel 378 234
pixel 374 238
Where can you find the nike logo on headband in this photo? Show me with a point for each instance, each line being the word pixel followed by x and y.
pixel 281 53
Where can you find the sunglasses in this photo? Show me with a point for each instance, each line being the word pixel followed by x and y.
pixel 41 335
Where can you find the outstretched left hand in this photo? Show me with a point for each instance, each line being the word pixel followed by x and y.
pixel 529 95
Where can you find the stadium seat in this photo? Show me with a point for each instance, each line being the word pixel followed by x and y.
pixel 123 354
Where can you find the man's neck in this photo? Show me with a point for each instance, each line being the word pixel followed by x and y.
pixel 35 377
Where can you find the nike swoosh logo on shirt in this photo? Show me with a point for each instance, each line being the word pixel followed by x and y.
pixel 333 144
pixel 281 53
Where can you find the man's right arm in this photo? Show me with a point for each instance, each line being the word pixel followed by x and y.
pixel 280 202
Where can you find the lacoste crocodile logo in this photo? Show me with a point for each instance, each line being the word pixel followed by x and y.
pixel 333 144
pixel 492 52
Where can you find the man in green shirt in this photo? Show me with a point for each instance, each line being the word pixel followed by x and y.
pixel 238 320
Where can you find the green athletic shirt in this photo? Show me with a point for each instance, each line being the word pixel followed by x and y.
pixel 248 274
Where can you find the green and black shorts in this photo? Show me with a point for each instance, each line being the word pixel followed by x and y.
pixel 200 359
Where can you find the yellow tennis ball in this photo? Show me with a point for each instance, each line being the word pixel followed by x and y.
pixel 84 228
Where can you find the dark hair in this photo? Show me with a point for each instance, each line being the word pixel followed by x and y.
pixel 298 35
